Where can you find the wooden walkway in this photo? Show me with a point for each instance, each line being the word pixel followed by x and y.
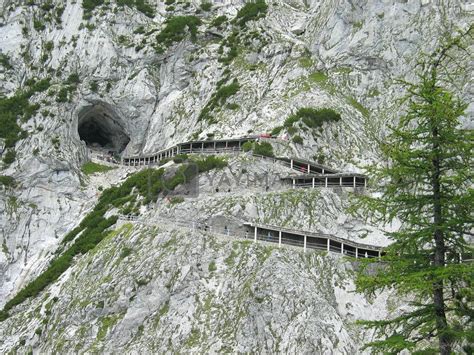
pixel 281 236
pixel 311 174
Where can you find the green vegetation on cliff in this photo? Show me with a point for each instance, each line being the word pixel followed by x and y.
pixel 312 118
pixel 175 30
pixel 147 184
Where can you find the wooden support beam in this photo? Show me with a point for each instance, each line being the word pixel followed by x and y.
pixel 255 235
pixel 329 244
pixel 326 181
pixel 291 163
pixel 294 183
pixel 304 244
pixel 340 181
pixel 279 238
pixel 354 181
pixel 342 248
pixel 313 182
pixel 357 252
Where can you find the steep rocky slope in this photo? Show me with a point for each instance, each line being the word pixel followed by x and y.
pixel 107 64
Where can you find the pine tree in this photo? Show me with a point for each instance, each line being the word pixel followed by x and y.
pixel 427 185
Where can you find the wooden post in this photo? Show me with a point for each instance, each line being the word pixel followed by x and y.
pixel 255 235
pixel 340 181
pixel 357 252
pixel 304 244
pixel 291 163
pixel 326 181
pixel 354 181
pixel 202 147
pixel 214 145
pixel 329 244
pixel 365 182
pixel 279 238
pixel 294 183
pixel 322 171
pixel 342 248
pixel 313 182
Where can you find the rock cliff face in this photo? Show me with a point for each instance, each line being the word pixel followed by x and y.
pixel 119 79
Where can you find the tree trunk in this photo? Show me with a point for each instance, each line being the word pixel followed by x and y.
pixel 439 257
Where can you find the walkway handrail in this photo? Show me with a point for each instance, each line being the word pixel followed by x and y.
pixel 205 226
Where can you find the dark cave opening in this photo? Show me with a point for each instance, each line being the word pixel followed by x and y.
pixel 101 128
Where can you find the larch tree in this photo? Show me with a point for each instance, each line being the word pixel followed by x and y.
pixel 427 185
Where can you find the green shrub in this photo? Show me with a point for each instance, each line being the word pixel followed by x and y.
pixel 73 79
pixel 91 168
pixel 93 86
pixel 247 146
pixel 291 120
pixel 39 86
pixel 180 158
pixel 176 199
pixel 48 46
pixel 9 157
pixel 89 6
pixel 63 95
pixel 263 148
pixel 18 107
pixel 250 12
pixel 291 130
pixel 219 98
pixel 312 118
pixel 219 20
pixel 297 140
pixel 126 251
pixel 7 181
pixel 210 163
pixel 38 25
pixel 176 29
pixel 276 131
pixel 5 61
pixel 212 266
pixel 206 6
pixel 145 8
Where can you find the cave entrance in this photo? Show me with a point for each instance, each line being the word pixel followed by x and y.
pixel 102 129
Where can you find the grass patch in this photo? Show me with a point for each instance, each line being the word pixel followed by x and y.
pixel 358 106
pixel 318 77
pixel 90 168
